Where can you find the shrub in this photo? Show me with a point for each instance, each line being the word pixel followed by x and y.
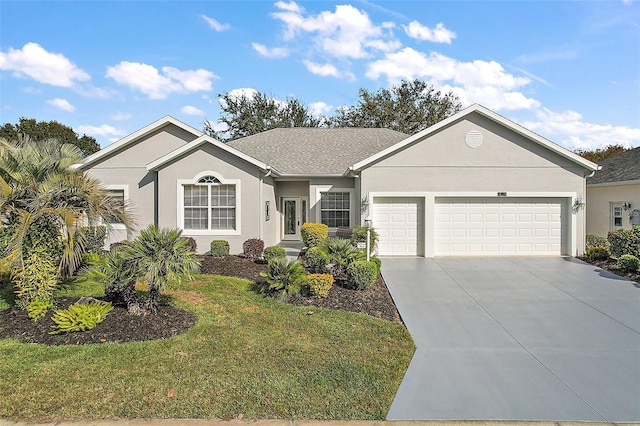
pixel 284 276
pixel 37 280
pixel 313 234
pixel 625 241
pixel 597 253
pixel 191 243
pixel 38 308
pixel 628 263
pixel 316 260
pixel 80 317
pixel 341 253
pixel 219 248
pixel 319 284
pixel 274 251
pixel 597 241
pixel 253 248
pixel 377 261
pixel 94 237
pixel 359 235
pixel 361 274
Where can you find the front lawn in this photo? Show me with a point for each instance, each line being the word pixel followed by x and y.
pixel 247 356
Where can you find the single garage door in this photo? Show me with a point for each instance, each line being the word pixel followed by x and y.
pixel 500 226
pixel 400 224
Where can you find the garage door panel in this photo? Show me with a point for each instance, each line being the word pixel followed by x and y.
pixel 499 227
pixel 399 222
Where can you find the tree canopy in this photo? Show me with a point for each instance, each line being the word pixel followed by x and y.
pixel 245 116
pixel 409 107
pixel 599 154
pixel 44 130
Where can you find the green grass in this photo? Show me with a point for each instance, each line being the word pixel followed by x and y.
pixel 247 355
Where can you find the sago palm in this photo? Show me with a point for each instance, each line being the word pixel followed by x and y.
pixel 160 256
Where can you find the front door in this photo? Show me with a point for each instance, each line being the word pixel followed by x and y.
pixel 291 219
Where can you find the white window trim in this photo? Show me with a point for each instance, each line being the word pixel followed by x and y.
pixel 125 189
pixel 352 206
pixel 612 205
pixel 180 202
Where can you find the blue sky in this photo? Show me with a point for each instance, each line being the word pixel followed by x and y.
pixel 568 70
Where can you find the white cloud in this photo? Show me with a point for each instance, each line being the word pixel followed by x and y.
pixel 120 116
pixel 569 129
pixel 319 108
pixel 46 67
pixel 345 33
pixel 62 104
pixel 478 81
pixel 274 52
pixel 421 32
pixel 322 69
pixel 214 24
pixel 191 110
pixel 103 130
pixel 292 6
pixel 146 79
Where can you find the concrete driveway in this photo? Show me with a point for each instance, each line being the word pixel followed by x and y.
pixel 516 339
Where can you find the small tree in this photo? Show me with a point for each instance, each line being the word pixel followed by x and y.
pixel 160 256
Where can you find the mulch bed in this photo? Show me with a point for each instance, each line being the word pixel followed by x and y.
pixel 375 301
pixel 118 326
pixel 168 321
pixel 610 265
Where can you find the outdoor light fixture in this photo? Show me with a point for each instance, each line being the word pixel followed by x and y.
pixel 626 206
pixel 578 204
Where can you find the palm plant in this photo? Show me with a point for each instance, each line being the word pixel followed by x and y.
pixel 37 185
pixel 160 256
pixel 284 275
pixel 341 253
pixel 118 277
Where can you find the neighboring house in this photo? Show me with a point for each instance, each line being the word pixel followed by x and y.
pixel 613 194
pixel 473 184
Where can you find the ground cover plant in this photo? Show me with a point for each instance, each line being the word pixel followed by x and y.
pixel 246 355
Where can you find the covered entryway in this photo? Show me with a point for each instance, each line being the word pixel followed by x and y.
pixel 500 226
pixel 399 222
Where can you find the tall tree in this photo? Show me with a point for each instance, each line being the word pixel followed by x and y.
pixel 43 130
pixel 408 107
pixel 599 154
pixel 248 115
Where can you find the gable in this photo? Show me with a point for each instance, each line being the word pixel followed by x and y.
pixel 142 146
pixel 488 121
pixel 455 146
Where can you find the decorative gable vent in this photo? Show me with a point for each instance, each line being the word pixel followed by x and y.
pixel 473 138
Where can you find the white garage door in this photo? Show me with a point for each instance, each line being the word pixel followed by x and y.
pixel 399 223
pixel 496 226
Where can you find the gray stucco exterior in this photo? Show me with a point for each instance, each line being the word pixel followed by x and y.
pixel 438 164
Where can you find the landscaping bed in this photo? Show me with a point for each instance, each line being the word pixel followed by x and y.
pixel 610 265
pixel 119 326
pixel 375 301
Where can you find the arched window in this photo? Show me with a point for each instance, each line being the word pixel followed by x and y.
pixel 209 204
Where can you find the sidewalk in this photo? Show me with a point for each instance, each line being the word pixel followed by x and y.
pixel 194 422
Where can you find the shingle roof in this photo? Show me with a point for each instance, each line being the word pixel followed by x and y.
pixel 315 151
pixel 620 168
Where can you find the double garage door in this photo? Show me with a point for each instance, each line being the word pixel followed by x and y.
pixel 472 226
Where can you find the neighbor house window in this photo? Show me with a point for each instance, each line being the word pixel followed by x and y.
pixel 118 196
pixel 210 205
pixel 335 209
